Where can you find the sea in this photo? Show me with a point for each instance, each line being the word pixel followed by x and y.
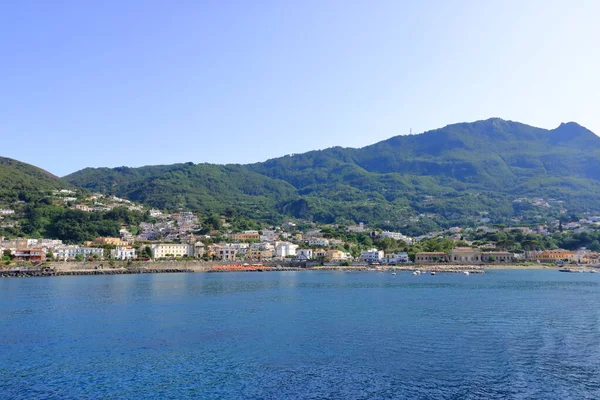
pixel 505 334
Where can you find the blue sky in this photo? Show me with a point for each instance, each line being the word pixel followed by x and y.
pixel 135 83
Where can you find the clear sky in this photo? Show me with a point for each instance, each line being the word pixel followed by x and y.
pixel 138 82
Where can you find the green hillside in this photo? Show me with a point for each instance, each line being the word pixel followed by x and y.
pixel 455 174
pixel 205 187
pixel 18 178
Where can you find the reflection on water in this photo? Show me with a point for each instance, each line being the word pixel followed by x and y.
pixel 505 334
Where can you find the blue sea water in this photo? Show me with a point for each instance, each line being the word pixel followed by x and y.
pixel 302 335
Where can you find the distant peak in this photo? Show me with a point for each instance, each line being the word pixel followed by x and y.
pixel 572 127
pixel 570 124
pixel 568 131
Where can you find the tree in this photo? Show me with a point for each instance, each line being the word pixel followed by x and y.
pixel 78 257
pixel 146 252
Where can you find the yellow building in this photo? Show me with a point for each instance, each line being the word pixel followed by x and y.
pixel 431 257
pixel 115 241
pixel 552 256
pixel 335 255
pixel 465 255
pixel 319 253
pixel 244 236
pixel 259 254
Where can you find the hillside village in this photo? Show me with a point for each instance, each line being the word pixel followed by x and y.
pixel 185 235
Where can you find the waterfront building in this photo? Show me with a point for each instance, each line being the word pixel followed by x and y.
pixel 552 256
pixel 336 255
pixel 431 257
pixel 397 258
pixel 304 254
pixel 199 249
pixel 32 255
pixel 123 253
pixel 372 256
pixel 71 252
pixel 320 253
pixel 225 252
pixel 260 251
pixel 497 257
pixel 465 255
pixel 164 250
pixel 285 250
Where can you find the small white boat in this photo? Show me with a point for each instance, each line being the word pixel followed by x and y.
pixel 393 273
pixel 432 272
pixel 415 273
pixel 466 273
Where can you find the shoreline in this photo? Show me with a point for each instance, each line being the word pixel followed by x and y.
pixel 95 271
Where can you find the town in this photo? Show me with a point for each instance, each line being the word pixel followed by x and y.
pixel 184 235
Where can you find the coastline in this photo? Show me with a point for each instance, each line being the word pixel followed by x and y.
pixel 72 269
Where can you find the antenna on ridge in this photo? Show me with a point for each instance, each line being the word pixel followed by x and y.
pixel 411 131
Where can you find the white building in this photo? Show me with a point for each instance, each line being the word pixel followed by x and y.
pixel 71 252
pixel 372 255
pixel 225 252
pixel 6 211
pixel 50 243
pixel 241 248
pixel 313 234
pixel 398 258
pixel 319 242
pixel 123 253
pixel 199 249
pixel 396 236
pixel 285 250
pixel 304 254
pixel 268 236
pixel 357 228
pixel 162 250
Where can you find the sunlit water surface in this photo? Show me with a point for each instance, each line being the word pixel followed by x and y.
pixel 306 335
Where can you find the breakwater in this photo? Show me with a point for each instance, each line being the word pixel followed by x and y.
pixel 30 273
pixel 49 272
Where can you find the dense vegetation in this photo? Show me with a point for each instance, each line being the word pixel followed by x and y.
pixel 43 219
pixel 18 180
pixel 203 187
pixel 448 176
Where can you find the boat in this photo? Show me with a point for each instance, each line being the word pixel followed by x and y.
pixel 432 272
pixel 466 273
pixel 393 273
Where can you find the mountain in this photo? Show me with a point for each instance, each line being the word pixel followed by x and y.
pixel 449 175
pixel 196 187
pixel 17 177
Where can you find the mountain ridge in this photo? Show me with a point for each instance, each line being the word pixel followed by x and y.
pixel 454 174
pixel 17 177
